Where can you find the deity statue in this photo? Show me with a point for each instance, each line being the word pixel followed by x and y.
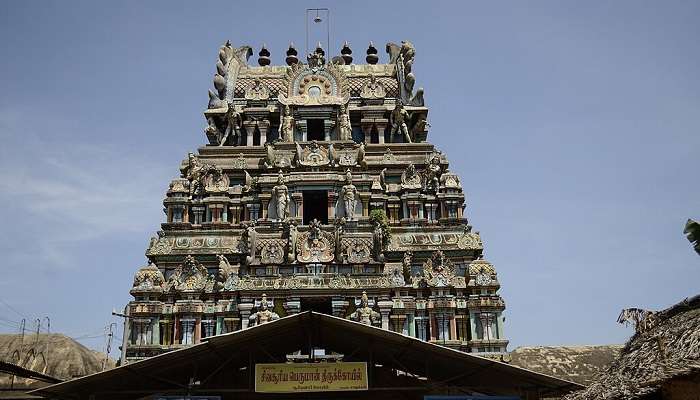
pixel 233 125
pixel 344 127
pixel 250 239
pixel 224 273
pixel 315 230
pixel 432 173
pixel 407 261
pixel 293 234
pixel 361 156
pixel 372 89
pixel 258 91
pixel 364 314
pixel 270 156
pixel 348 196
pixel 194 172
pixel 378 239
pixel 382 179
pixel 398 120
pixel 263 315
pixel 286 125
pixel 211 130
pixel 281 195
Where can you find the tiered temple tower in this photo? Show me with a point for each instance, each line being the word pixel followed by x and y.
pixel 316 191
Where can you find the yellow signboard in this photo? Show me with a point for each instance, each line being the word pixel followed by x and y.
pixel 307 377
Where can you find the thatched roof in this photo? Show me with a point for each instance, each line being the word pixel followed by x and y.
pixel 578 364
pixel 53 354
pixel 668 347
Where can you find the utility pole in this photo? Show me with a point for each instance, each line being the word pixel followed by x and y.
pixel 38 328
pixel 108 346
pixel 125 333
pixel 48 338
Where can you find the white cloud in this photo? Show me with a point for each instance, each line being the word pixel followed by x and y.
pixel 71 191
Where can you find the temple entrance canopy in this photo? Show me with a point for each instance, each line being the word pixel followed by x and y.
pixel 398 366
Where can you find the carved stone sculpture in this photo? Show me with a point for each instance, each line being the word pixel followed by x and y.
pixel 378 238
pixel 251 184
pixel 227 275
pixel 398 119
pixel 410 178
pixel 286 125
pixel 281 196
pixel 292 237
pixel 258 91
pixel 382 180
pixel 148 279
pixel 432 173
pixel 364 313
pixel 373 89
pixel 407 266
pixel 361 156
pixel 438 271
pixel 312 155
pixel 348 196
pixel 189 276
pixel 202 175
pixel 403 56
pixel 227 68
pixel 263 315
pixel 339 231
pixel 315 245
pixel 212 131
pixel 344 127
pixel 250 237
pixel 317 59
pixel 233 126
pixel 270 156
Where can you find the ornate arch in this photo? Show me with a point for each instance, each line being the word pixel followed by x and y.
pixel 326 85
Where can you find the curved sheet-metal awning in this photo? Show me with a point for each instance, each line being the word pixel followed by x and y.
pixel 220 364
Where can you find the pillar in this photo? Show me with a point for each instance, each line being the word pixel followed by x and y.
pixel 244 309
pixel 381 129
pixel 339 305
pixel 367 130
pixel 250 130
pixel 301 124
pixel 298 199
pixel 327 127
pixel 365 204
pixel 265 200
pixel 264 127
pixel 384 309
pixel 292 305
pixel 332 199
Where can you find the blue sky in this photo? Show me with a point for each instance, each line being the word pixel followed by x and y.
pixel 574 127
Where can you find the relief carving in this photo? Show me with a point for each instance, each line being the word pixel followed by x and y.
pixel 312 155
pixel 315 245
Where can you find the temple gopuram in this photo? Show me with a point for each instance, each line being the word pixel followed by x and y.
pixel 316 190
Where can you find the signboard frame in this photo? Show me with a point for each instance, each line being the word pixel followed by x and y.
pixel 311 377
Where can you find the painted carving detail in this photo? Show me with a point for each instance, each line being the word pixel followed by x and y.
pixel 410 179
pixel 315 245
pixel 263 314
pixel 364 314
pixel 189 276
pixel 312 155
